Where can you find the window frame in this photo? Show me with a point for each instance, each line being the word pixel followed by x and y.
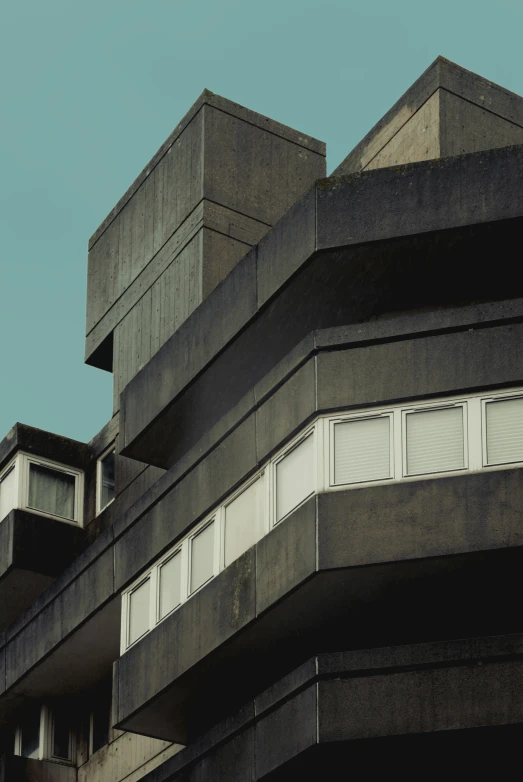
pixel 215 519
pixel 25 465
pixel 365 415
pixel 261 515
pixel 310 431
pixel 485 400
pixel 444 405
pixel 46 739
pixel 149 575
pixel 178 551
pixel 110 449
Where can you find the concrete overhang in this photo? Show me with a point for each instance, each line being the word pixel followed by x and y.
pixel 46 444
pixel 352 707
pixel 354 248
pixel 34 550
pixel 366 567
pixel 17 769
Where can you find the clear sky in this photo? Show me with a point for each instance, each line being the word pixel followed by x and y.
pixel 90 90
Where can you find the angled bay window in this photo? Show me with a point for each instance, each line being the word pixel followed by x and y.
pixel 362 449
pixel 503 441
pixel 43 487
pixel 295 476
pixel 435 440
pixel 243 522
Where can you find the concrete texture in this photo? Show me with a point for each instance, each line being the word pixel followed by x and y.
pixel 447 111
pixel 336 258
pixel 338 569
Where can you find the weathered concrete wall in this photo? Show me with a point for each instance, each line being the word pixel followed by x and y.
pixel 127 758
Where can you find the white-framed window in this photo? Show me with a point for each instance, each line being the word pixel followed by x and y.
pixel 294 475
pixel 46 733
pixel 139 609
pixel 502 430
pixel 362 449
pixel 347 450
pixel 42 486
pixel 105 469
pixel 435 439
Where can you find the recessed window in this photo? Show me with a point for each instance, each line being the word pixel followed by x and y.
pixel 435 440
pixel 27 742
pixel 139 610
pixel 100 718
pixel 295 479
pixel 241 521
pixel 51 491
pixel 105 479
pixel 504 431
pixel 61 735
pixel 46 734
pixel 362 450
pixel 8 491
pixel 170 575
pixel 202 557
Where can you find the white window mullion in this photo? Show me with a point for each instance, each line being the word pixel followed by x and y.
pixel 474 432
pixel 185 571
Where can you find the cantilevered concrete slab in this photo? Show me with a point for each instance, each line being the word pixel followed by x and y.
pixel 447 111
pixel 386 564
pixel 353 249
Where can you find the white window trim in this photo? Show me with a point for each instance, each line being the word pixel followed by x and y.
pixel 22 462
pixel 99 461
pixel 322 429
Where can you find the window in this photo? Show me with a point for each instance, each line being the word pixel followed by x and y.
pixel 105 479
pixel 435 440
pixel 46 734
pixel 504 431
pixel 139 610
pixel 170 591
pixel 362 450
pixel 202 557
pixel 295 477
pixel 100 718
pixel 400 443
pixel 243 524
pixel 8 498
pixel 43 487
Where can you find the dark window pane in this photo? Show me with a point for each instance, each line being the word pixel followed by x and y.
pixel 107 480
pixel 101 717
pixel 30 728
pixel 51 491
pixel 61 735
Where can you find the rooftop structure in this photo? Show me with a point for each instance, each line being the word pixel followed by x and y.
pixel 296 545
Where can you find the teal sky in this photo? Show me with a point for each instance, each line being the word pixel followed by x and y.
pixel 89 91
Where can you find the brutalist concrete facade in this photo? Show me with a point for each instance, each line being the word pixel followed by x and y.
pixel 247 306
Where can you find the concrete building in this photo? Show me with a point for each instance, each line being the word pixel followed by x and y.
pixel 295 550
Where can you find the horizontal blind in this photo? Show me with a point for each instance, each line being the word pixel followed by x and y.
pixel 504 431
pixel 435 441
pixel 362 450
pixel 202 556
pixel 240 522
pixel 139 607
pixel 7 493
pixel 170 584
pixel 295 477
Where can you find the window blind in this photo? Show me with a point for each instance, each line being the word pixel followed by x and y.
pixel 241 530
pixel 202 556
pixel 435 441
pixel 504 431
pixel 139 605
pixel 362 450
pixel 51 491
pixel 295 477
pixel 170 584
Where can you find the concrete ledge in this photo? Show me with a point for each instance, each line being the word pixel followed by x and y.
pixel 383 556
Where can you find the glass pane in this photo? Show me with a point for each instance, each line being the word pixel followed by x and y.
pixel 295 477
pixel 202 557
pixel 504 431
pixel 107 479
pixel 61 747
pixel 139 607
pixel 51 491
pixel 7 493
pixel 435 441
pixel 240 523
pixel 362 450
pixel 170 584
pixel 30 729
